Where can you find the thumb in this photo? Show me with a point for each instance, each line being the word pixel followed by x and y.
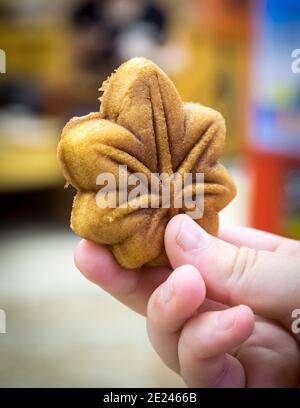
pixel 266 281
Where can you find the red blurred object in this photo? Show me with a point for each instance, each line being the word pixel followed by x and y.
pixel 274 117
pixel 269 175
pixel 227 18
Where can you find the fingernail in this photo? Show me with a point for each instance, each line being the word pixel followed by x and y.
pixel 226 319
pixel 166 290
pixel 191 236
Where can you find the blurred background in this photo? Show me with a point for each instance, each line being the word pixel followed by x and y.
pixel 237 56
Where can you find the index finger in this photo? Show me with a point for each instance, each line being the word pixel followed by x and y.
pixel 259 240
pixel 133 287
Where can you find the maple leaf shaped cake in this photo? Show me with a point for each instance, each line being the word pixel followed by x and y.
pixel 144 125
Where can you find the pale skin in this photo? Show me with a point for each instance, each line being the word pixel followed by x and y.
pixel 221 317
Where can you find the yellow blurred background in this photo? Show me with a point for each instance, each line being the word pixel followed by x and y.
pixel 61 330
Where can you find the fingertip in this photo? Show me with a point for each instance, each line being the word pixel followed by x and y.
pixel 173 230
pixel 235 324
pixel 175 301
pixel 80 257
pixel 93 260
pixel 189 284
pixel 245 321
pixel 173 227
pixel 178 297
pixel 245 311
pixel 211 334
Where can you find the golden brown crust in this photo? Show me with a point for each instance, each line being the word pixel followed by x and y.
pixel 143 124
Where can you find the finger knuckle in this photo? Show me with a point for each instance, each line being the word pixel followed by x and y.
pixel 243 265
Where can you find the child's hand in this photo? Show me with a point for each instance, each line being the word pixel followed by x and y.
pixel 194 318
